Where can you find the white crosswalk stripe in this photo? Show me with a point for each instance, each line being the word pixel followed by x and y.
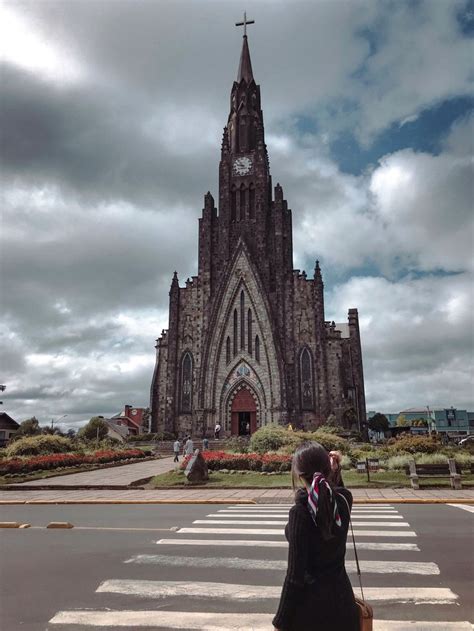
pixel 242 543
pixel 232 591
pixel 244 530
pixel 372 567
pixel 285 516
pixel 399 524
pixel 467 507
pixel 203 621
pixel 274 531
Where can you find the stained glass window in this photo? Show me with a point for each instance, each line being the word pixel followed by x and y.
pixel 242 320
pixel 306 380
pixel 227 350
pixel 186 382
pixel 249 331
pixel 257 348
pixel 235 332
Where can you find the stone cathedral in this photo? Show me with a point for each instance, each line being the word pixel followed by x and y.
pixel 247 342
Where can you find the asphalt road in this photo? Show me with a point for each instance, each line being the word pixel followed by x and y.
pixel 53 574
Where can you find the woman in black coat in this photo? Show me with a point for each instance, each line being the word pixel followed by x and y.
pixel 317 594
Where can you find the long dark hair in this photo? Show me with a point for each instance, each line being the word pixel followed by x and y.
pixel 308 459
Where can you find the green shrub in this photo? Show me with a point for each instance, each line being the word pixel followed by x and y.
pixel 328 441
pixel 237 444
pixel 414 444
pixel 329 429
pixel 272 438
pixel 39 445
pixel 279 439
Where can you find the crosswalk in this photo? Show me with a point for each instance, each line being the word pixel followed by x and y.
pixel 234 565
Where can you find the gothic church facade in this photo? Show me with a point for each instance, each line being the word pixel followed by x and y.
pixel 247 342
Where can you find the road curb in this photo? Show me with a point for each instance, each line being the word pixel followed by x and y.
pixel 235 501
pixel 105 501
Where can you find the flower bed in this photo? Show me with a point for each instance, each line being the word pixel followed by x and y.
pixel 53 461
pixel 217 460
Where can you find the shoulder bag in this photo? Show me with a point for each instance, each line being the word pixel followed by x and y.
pixel 366 613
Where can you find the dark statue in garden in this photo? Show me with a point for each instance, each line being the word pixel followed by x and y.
pixel 196 469
pixel 247 342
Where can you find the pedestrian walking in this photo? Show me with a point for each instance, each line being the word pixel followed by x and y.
pixel 176 450
pixel 217 431
pixel 188 447
pixel 317 593
pixel 205 444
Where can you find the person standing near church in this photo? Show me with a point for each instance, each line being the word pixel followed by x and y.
pixel 176 450
pixel 317 593
pixel 205 444
pixel 217 431
pixel 189 447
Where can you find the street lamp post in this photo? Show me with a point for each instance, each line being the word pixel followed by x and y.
pixel 57 421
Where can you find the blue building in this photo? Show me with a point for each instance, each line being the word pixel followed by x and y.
pixel 452 422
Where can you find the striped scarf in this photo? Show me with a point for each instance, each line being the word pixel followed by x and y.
pixel 313 498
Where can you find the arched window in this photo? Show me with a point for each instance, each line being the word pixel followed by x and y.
pixel 257 348
pixel 242 202
pixel 306 380
pixel 249 331
pixel 235 332
pixel 242 320
pixel 186 382
pixel 252 202
pixel 227 350
pixel 242 135
pixel 233 204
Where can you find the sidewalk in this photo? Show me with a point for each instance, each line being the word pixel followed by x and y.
pixel 126 474
pixel 120 475
pixel 283 496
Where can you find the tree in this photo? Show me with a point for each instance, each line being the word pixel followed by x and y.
pixel 379 423
pixel 71 433
pixel 402 421
pixel 95 428
pixel 30 427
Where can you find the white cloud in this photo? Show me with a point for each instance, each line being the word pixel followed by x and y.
pixel 26 43
pixel 417 337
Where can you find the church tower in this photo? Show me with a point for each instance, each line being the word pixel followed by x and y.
pixel 247 342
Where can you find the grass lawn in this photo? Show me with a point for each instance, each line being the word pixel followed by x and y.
pixel 352 479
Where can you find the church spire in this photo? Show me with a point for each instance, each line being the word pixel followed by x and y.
pixel 245 65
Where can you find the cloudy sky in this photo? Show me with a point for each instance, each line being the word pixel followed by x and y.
pixel 112 116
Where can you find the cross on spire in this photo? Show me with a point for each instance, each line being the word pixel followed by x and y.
pixel 244 23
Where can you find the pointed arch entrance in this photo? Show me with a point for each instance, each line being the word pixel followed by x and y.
pixel 244 408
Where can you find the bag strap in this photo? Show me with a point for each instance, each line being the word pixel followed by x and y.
pixel 355 548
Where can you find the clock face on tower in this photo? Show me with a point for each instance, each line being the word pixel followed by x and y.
pixel 242 166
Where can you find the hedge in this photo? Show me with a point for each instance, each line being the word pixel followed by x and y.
pixel 216 460
pixel 53 461
pixel 278 438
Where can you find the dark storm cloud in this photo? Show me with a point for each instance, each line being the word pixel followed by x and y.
pixel 93 142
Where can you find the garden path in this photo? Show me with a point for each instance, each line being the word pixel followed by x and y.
pixel 123 474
